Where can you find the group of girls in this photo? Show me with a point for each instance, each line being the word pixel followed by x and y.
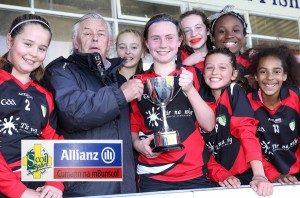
pixel 256 132
pixel 230 138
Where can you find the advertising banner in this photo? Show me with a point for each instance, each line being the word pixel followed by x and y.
pixel 72 160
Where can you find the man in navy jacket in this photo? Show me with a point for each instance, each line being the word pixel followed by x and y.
pixel 89 102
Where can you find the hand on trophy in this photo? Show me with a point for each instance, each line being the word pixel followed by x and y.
pixel 143 146
pixel 186 80
pixel 132 89
pixel 160 91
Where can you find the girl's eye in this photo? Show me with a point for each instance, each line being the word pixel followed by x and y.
pixel 198 27
pixel 187 31
pixel 28 44
pixel 236 30
pixel 278 72
pixel 43 49
pixel 121 48
pixel 208 67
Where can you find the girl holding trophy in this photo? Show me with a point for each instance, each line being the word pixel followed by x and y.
pixel 170 114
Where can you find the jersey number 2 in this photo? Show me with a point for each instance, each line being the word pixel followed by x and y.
pixel 27 108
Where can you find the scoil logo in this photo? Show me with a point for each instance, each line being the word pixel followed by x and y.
pixel 37 161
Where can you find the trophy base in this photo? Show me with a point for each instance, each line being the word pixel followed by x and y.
pixel 168 148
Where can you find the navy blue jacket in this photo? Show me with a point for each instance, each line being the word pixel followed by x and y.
pixel 90 105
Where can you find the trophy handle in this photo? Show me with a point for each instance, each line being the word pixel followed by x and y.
pixel 174 95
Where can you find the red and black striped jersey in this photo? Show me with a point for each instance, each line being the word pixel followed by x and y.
pixel 146 118
pixel 26 112
pixel 278 132
pixel 233 142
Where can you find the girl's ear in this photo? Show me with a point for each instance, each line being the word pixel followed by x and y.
pixel 284 76
pixel 212 38
pixel 146 44
pixel 180 40
pixel 143 53
pixel 235 74
pixel 255 76
pixel 9 41
pixel 208 33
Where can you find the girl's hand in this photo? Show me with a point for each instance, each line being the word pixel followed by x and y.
pixel 143 146
pixel 231 182
pixel 261 186
pixel 49 192
pixel 186 80
pixel 194 58
pixel 30 193
pixel 288 179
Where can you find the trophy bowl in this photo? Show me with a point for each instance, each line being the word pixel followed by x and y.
pixel 167 141
pixel 160 90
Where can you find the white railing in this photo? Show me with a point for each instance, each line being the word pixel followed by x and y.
pixel 280 191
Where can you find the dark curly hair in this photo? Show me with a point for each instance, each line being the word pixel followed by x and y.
pixel 288 60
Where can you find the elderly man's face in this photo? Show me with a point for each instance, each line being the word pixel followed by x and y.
pixel 92 37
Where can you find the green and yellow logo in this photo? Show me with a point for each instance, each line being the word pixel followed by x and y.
pixel 292 125
pixel 222 120
pixel 44 110
pixel 37 161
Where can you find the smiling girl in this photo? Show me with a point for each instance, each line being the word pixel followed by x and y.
pixel 129 45
pixel 27 103
pixel 228 30
pixel 277 107
pixel 187 112
pixel 196 44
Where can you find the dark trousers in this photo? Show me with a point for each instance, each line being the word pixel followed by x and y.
pixel 147 184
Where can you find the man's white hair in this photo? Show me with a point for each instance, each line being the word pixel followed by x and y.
pixel 90 16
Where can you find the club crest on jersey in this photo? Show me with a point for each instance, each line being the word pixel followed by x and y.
pixel 37 161
pixel 221 120
pixel 292 125
pixel 44 110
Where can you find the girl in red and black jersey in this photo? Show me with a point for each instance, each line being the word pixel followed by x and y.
pixel 196 43
pixel 27 109
pixel 176 169
pixel 234 144
pixel 276 105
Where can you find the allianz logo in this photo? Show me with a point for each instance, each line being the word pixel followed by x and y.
pixel 5 102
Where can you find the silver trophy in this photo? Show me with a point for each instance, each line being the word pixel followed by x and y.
pixel 160 93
